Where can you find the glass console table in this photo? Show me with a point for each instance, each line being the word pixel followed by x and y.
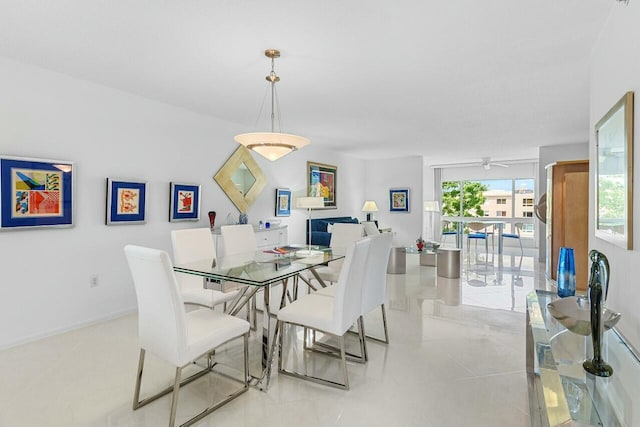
pixel 561 392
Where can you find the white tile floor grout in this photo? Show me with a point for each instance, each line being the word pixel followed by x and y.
pixel 456 358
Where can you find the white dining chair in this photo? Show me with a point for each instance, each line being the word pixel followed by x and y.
pixel 370 228
pixel 237 239
pixel 342 235
pixel 168 332
pixel 374 287
pixel 333 316
pixel 241 239
pixel 190 245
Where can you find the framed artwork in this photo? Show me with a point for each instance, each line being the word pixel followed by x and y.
pixel 184 202
pixel 399 200
pixel 126 201
pixel 614 174
pixel 283 202
pixel 36 193
pixel 322 181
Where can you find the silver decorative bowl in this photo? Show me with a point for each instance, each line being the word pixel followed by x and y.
pixel 432 245
pixel 574 314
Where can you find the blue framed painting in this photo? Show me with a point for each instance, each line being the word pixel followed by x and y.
pixel 36 193
pixel 399 200
pixel 126 201
pixel 185 202
pixel 283 202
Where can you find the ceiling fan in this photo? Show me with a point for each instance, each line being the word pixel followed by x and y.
pixel 487 163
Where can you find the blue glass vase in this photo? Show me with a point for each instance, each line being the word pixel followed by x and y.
pixel 566 273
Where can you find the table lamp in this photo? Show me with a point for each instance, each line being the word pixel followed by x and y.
pixel 368 207
pixel 309 203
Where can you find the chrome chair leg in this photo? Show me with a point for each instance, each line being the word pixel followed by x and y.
pixel 361 338
pixel 329 350
pixel 343 356
pixel 174 398
pixel 386 329
pixel 384 323
pixel 179 382
pixel 282 370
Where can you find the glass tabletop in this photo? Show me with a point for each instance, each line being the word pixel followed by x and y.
pixel 259 268
pixel 571 395
pixel 412 250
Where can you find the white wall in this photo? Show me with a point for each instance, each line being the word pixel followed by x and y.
pixel 45 272
pixel 547 155
pixel 405 172
pixel 615 69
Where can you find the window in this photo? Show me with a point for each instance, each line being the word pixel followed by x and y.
pixel 489 198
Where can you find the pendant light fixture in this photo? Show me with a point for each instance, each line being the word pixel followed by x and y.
pixel 272 145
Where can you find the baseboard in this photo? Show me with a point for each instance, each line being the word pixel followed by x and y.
pixel 66 329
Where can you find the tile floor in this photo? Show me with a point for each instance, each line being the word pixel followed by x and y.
pixel 456 358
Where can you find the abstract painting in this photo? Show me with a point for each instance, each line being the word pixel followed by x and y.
pixel 126 201
pixel 35 193
pixel 184 202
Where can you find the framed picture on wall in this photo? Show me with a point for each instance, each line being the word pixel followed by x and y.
pixel 322 181
pixel 184 202
pixel 36 193
pixel 126 201
pixel 399 200
pixel 283 202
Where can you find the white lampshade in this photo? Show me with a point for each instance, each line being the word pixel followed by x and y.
pixel 370 206
pixel 431 206
pixel 271 145
pixel 309 202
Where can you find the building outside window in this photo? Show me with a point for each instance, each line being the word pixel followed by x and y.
pixel 503 198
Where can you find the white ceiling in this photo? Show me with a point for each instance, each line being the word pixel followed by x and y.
pixel 452 80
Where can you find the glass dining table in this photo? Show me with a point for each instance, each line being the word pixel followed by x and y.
pixel 260 270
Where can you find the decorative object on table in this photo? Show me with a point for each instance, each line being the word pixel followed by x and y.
pixel 126 201
pixel 399 200
pixel 369 207
pixel 241 179
pixel 272 145
pixel 420 243
pixel 614 174
pixel 36 193
pixel 283 202
pixel 566 273
pixel 309 203
pixel 184 202
pixel 230 220
pixel 432 207
pixel 243 218
pixel 598 290
pixel 574 313
pixel 212 219
pixel 433 246
pixel 322 181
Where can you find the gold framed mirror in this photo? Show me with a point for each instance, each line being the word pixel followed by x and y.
pixel 614 174
pixel 241 179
